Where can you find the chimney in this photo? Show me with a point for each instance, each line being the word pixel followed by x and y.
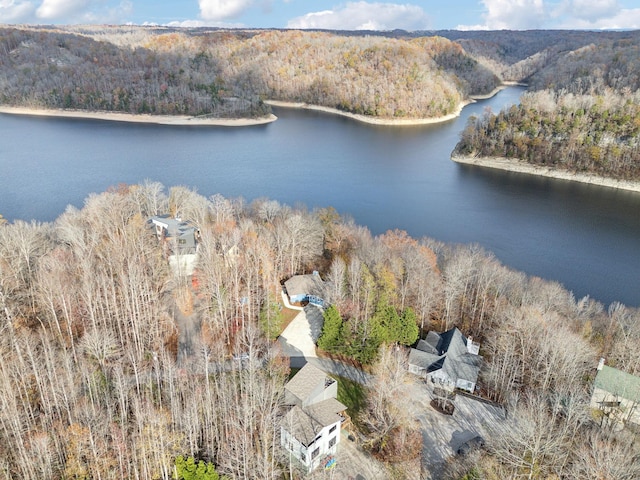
pixel 471 348
pixel 600 364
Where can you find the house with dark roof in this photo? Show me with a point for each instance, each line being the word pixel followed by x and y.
pixel 617 395
pixel 310 431
pixel 305 288
pixel 448 359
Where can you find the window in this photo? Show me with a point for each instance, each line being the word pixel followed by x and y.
pixel 332 442
pixel 333 429
pixel 303 457
pixel 315 453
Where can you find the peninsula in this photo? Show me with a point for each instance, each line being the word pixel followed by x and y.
pixel 520 166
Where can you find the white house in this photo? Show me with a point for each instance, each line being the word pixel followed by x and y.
pixel 180 240
pixel 448 359
pixel 617 395
pixel 310 431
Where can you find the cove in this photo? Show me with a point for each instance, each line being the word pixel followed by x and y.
pixel 583 236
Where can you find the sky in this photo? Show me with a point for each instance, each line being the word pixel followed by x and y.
pixel 408 15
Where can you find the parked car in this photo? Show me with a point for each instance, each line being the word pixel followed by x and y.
pixel 471 444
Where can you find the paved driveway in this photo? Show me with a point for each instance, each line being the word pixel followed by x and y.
pixel 298 341
pixel 352 463
pixel 443 434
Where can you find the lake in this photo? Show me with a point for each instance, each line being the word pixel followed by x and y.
pixel 584 236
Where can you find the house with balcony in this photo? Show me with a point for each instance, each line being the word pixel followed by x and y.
pixel 310 431
pixel 616 394
pixel 179 240
pixel 448 359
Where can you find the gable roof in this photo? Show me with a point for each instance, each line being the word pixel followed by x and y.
pixel 447 351
pixel 303 284
pixel 300 425
pixel 306 423
pixel 184 232
pixel 303 384
pixel 174 226
pixel 452 341
pixel 465 367
pixel 326 411
pixel 618 383
pixel 423 359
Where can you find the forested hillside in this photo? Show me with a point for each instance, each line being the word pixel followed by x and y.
pixel 114 367
pixel 584 115
pixel 597 133
pixel 229 73
pixel 55 69
pixel 517 55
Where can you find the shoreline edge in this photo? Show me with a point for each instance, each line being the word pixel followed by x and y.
pixel 182 120
pixel 177 120
pixel 520 166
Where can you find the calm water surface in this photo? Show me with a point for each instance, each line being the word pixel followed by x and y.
pixel 583 236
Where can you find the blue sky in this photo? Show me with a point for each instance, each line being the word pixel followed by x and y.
pixel 333 14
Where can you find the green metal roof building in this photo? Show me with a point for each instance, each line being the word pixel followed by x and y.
pixel 617 394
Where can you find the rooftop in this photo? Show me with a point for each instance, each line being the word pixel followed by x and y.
pixel 306 423
pixel 303 284
pixel 306 381
pixel 448 351
pixel 618 383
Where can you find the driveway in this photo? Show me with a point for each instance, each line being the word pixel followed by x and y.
pixel 443 434
pixel 352 463
pixel 298 340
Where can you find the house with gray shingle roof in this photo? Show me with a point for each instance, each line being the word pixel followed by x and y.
pixel 448 359
pixel 310 431
pixel 305 288
pixel 617 395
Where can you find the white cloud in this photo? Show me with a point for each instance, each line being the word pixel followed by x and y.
pixel 623 19
pixel 56 9
pixel 222 9
pixel 15 12
pixel 514 14
pixel 566 14
pixel 365 16
pixel 472 27
pixel 203 23
pixel 590 10
pixel 109 14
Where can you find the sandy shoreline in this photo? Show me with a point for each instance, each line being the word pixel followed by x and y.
pixel 240 122
pixel 367 119
pixel 128 117
pixel 514 165
pixel 393 121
